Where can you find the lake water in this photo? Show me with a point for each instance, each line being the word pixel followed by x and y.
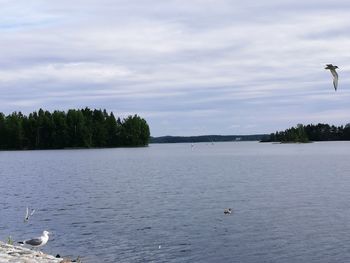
pixel 165 203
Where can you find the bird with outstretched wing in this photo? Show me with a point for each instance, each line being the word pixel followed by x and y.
pixel 334 74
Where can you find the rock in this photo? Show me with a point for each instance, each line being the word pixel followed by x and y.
pixel 12 254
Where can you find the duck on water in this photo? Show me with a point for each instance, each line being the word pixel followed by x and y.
pixel 227 211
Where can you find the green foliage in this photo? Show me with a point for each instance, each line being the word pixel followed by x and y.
pixel 9 240
pixel 135 131
pixel 77 128
pixel 310 132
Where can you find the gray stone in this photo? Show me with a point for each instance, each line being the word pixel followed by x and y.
pixel 16 254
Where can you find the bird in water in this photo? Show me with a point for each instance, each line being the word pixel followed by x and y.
pixel 37 242
pixel 29 214
pixel 334 73
pixel 227 211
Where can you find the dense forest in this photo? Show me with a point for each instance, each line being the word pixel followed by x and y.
pixel 72 129
pixel 306 133
pixel 208 138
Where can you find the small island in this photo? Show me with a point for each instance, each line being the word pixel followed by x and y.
pixel 82 128
pixel 309 133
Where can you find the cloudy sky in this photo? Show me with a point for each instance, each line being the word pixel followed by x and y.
pixel 189 67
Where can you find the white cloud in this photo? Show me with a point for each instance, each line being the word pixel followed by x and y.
pixel 74 72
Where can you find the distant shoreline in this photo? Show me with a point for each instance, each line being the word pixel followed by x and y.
pixel 208 138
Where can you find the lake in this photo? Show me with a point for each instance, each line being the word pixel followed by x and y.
pixel 165 202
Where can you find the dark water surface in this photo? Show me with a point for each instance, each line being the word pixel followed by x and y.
pixel 165 203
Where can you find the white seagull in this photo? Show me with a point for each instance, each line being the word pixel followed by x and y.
pixel 32 211
pixel 334 73
pixel 37 242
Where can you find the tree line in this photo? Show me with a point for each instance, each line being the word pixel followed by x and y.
pixel 208 138
pixel 82 128
pixel 311 132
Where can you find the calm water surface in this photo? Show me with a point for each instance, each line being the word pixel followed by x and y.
pixel 164 203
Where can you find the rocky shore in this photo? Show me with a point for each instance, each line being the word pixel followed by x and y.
pixel 16 254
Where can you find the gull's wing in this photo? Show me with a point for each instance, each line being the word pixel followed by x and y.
pixel 335 78
pixel 33 242
pixel 32 213
pixel 27 214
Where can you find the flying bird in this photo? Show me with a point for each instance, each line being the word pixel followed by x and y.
pixel 334 73
pixel 37 242
pixel 29 214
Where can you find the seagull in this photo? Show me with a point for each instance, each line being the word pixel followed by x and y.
pixel 32 211
pixel 334 73
pixel 227 211
pixel 37 242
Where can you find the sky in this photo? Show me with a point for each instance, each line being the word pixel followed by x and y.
pixel 189 67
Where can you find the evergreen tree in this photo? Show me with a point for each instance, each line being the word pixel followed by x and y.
pixel 112 130
pixel 135 131
pixel 14 131
pixel 60 135
pixel 3 133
